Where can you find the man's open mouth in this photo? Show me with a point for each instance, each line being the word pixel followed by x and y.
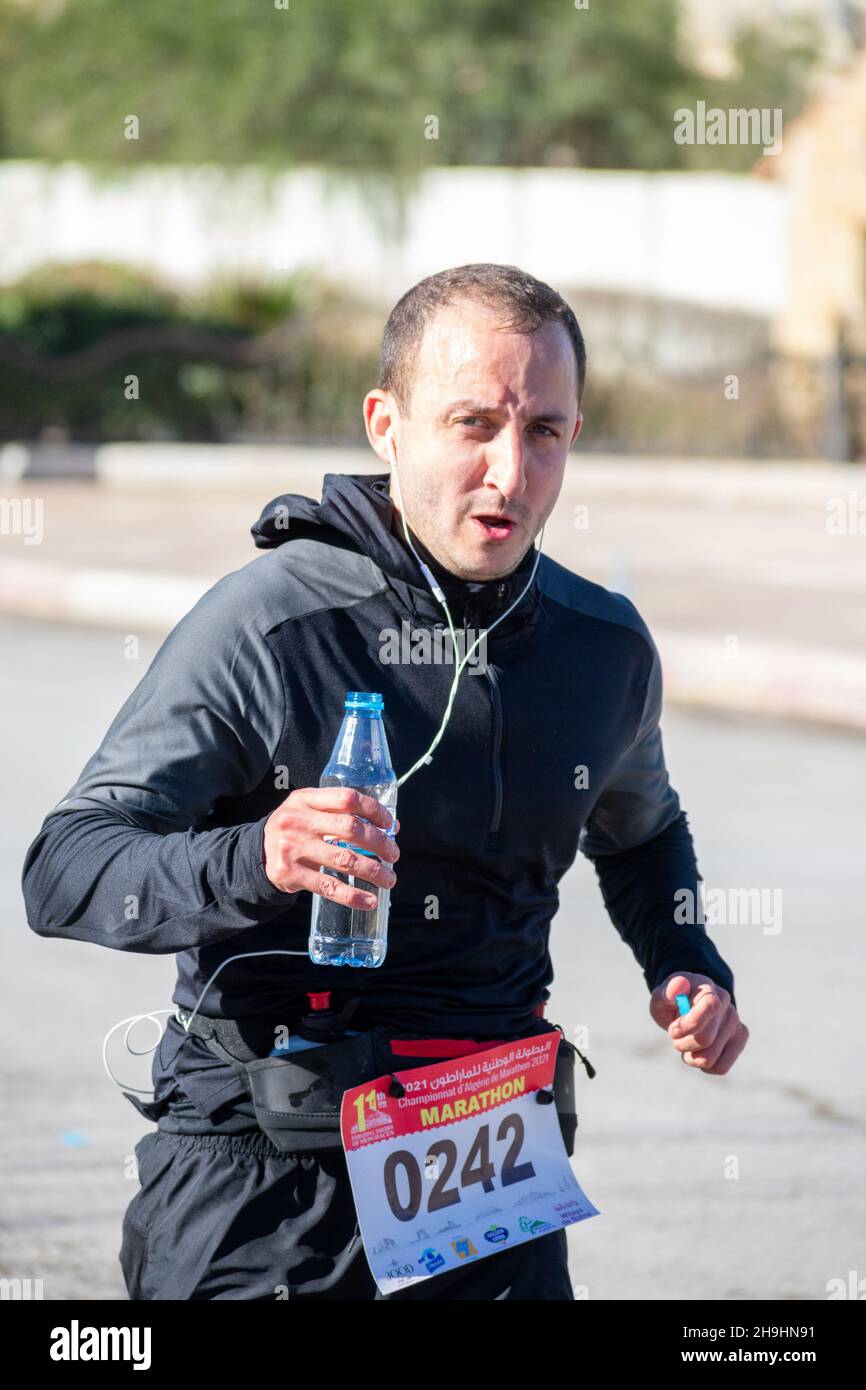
pixel 495 528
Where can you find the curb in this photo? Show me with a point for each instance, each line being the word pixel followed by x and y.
pixel 719 484
pixel 148 602
pixel 819 685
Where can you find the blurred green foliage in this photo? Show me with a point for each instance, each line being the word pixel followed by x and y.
pixel 350 83
pixel 194 382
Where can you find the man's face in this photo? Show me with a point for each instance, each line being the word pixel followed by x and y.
pixel 493 414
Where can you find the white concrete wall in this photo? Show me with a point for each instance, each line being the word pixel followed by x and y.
pixel 717 240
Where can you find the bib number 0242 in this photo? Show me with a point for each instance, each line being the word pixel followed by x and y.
pixel 443 1154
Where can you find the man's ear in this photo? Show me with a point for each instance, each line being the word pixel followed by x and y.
pixel 577 426
pixel 378 420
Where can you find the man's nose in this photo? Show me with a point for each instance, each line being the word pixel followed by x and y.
pixel 506 467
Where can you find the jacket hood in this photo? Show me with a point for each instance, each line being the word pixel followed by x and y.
pixel 356 512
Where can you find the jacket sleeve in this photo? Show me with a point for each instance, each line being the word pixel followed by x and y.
pixel 125 859
pixel 638 839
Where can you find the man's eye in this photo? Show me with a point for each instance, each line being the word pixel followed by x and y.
pixel 475 420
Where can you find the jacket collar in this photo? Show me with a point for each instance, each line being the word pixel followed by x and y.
pixel 358 512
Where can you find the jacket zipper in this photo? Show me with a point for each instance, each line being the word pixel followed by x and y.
pixel 493 833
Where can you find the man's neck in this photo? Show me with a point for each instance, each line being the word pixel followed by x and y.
pixel 446 577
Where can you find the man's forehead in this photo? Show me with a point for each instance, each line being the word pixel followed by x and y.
pixel 461 343
pixel 458 335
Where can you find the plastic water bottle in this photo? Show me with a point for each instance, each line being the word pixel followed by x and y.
pixel 342 935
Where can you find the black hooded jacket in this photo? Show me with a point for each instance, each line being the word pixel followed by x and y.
pixel 158 845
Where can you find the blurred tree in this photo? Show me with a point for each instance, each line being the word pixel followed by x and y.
pixel 350 83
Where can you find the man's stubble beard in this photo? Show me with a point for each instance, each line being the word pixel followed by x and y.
pixel 479 577
pixel 427 507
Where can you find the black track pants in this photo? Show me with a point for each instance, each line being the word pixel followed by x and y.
pixel 229 1216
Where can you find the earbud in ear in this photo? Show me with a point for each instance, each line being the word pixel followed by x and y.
pixel 389 445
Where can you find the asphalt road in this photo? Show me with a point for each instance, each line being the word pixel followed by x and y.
pixel 746 1186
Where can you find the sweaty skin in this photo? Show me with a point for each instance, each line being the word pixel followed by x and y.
pixel 494 453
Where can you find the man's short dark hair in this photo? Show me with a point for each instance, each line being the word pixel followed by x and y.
pixel 526 303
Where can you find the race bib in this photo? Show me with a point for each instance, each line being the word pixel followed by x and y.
pixel 466 1162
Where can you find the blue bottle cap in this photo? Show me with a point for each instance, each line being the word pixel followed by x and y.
pixel 361 700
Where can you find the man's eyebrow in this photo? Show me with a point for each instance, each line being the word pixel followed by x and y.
pixel 476 408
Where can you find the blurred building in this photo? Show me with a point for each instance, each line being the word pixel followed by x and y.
pixel 822 167
pixel 708 27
